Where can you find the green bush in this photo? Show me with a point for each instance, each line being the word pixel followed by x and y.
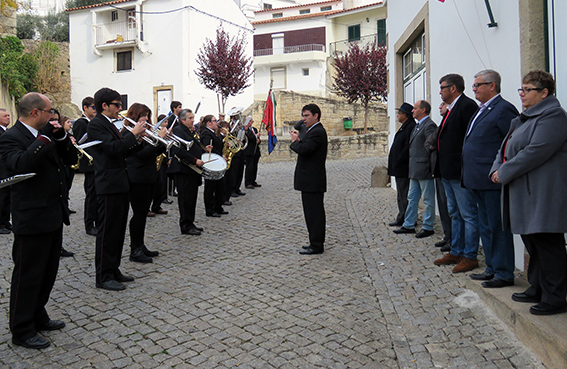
pixel 17 70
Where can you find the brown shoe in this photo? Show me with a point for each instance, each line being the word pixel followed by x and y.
pixel 447 259
pixel 465 265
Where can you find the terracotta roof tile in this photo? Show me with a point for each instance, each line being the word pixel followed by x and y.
pixel 298 6
pixel 294 17
pixel 97 5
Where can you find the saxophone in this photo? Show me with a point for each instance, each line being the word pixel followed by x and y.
pixel 159 161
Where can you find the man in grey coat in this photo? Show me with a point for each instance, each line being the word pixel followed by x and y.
pixel 420 173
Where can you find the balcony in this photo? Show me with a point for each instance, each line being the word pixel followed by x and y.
pixel 289 50
pixel 116 34
pixel 340 47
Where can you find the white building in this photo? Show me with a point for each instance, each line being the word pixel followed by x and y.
pixel 428 39
pixel 43 7
pixel 146 50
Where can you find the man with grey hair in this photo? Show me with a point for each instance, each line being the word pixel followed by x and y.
pixel 36 145
pixel 5 225
pixel 485 134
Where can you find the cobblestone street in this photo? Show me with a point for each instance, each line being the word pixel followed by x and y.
pixel 240 295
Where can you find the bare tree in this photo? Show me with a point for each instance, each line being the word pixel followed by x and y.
pixel 361 75
pixel 224 66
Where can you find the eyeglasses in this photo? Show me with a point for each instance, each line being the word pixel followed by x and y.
pixel 50 111
pixel 527 90
pixel 477 85
pixel 443 87
pixel 118 104
pixel 91 106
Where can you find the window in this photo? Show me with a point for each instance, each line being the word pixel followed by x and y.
pixel 354 33
pixel 124 100
pixel 124 60
pixel 131 16
pixel 267 6
pixel 279 77
pixel 326 8
pixel 277 15
pixel 305 11
pixel 414 57
pixel 305 71
pixel 114 15
pixel 381 32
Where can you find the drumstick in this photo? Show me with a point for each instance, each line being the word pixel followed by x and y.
pixel 210 160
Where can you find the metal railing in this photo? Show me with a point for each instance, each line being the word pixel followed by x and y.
pixel 342 46
pixel 116 32
pixel 290 49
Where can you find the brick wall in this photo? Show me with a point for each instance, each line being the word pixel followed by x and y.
pixel 292 38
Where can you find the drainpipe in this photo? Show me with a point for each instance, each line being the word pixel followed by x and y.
pixel 93 31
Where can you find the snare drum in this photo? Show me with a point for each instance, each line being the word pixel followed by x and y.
pixel 214 167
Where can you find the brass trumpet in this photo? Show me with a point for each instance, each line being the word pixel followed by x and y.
pixel 150 137
pixel 179 142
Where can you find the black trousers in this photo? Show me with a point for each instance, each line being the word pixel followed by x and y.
pixel 238 163
pixel 314 212
pixel 214 196
pixel 228 179
pixel 251 172
pixel 111 227
pixel 443 210
pixel 91 205
pixel 547 270
pixel 5 207
pixel 187 190
pixel 36 261
pixel 160 188
pixel 402 186
pixel 140 198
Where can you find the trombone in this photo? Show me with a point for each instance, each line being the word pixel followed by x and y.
pixel 150 137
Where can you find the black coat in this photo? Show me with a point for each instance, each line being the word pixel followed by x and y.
pixel 39 204
pixel 451 137
pixel 190 156
pixel 398 159
pixel 109 156
pixel 310 173
pixel 80 128
pixel 208 137
pixel 253 148
pixel 141 165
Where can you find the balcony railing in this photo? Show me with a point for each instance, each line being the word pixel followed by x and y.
pixel 290 49
pixel 342 46
pixel 116 32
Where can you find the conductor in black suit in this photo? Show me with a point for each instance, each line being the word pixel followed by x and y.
pixel 112 186
pixel 39 209
pixel 311 177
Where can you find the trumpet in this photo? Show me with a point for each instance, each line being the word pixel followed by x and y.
pixel 179 142
pixel 150 137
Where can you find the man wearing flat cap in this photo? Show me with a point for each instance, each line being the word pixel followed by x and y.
pixel 398 160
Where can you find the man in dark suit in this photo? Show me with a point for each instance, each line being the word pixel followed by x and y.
pixel 5 225
pixel 485 134
pixel 175 107
pixel 420 173
pixel 187 179
pixel 39 209
pixel 214 189
pixel 252 155
pixel 80 128
pixel 460 201
pixel 311 176
pixel 112 186
pixel 398 160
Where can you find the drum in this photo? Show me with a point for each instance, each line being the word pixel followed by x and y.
pixel 214 167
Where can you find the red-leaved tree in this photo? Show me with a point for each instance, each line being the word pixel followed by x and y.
pixel 224 66
pixel 361 75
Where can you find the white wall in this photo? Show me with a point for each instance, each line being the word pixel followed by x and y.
pixel 558 46
pixel 173 39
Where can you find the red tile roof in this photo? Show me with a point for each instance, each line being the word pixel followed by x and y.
pixel 97 5
pixel 294 17
pixel 299 6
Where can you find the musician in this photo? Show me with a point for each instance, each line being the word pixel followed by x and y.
pixel 112 186
pixel 143 176
pixel 214 189
pixel 175 107
pixel 223 128
pixel 187 180
pixel 160 189
pixel 251 154
pixel 237 162
pixel 39 209
pixel 5 225
pixel 80 132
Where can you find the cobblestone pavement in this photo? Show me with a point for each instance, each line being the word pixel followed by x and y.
pixel 241 296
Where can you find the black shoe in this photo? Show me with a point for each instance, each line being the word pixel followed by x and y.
pixel 227 203
pixel 234 194
pixel 214 215
pixel 305 247
pixel 497 283
pixel 72 211
pixel 192 231
pixel 51 325
pixel 4 230
pixel 223 212
pixel 148 252
pixel 403 230
pixel 250 187
pixel 481 276
pixel 66 254
pixel 167 201
pixel 240 193
pixel 256 184
pixel 310 251
pixel 36 342
pixel 545 309
pixel 92 231
pixel 123 278
pixel 137 255
pixel 424 233
pixel 441 243
pixel 198 228
pixel 174 194
pixel 446 248
pixel 522 297
pixel 111 285
pixel 396 224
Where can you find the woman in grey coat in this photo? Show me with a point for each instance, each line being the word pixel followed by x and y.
pixel 531 166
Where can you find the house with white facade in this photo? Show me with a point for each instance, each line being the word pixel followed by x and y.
pixel 43 7
pixel 428 39
pixel 293 46
pixel 146 50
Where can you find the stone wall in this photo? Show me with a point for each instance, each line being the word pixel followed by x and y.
pixel 8 23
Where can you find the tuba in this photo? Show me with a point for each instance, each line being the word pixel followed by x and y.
pixel 236 125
